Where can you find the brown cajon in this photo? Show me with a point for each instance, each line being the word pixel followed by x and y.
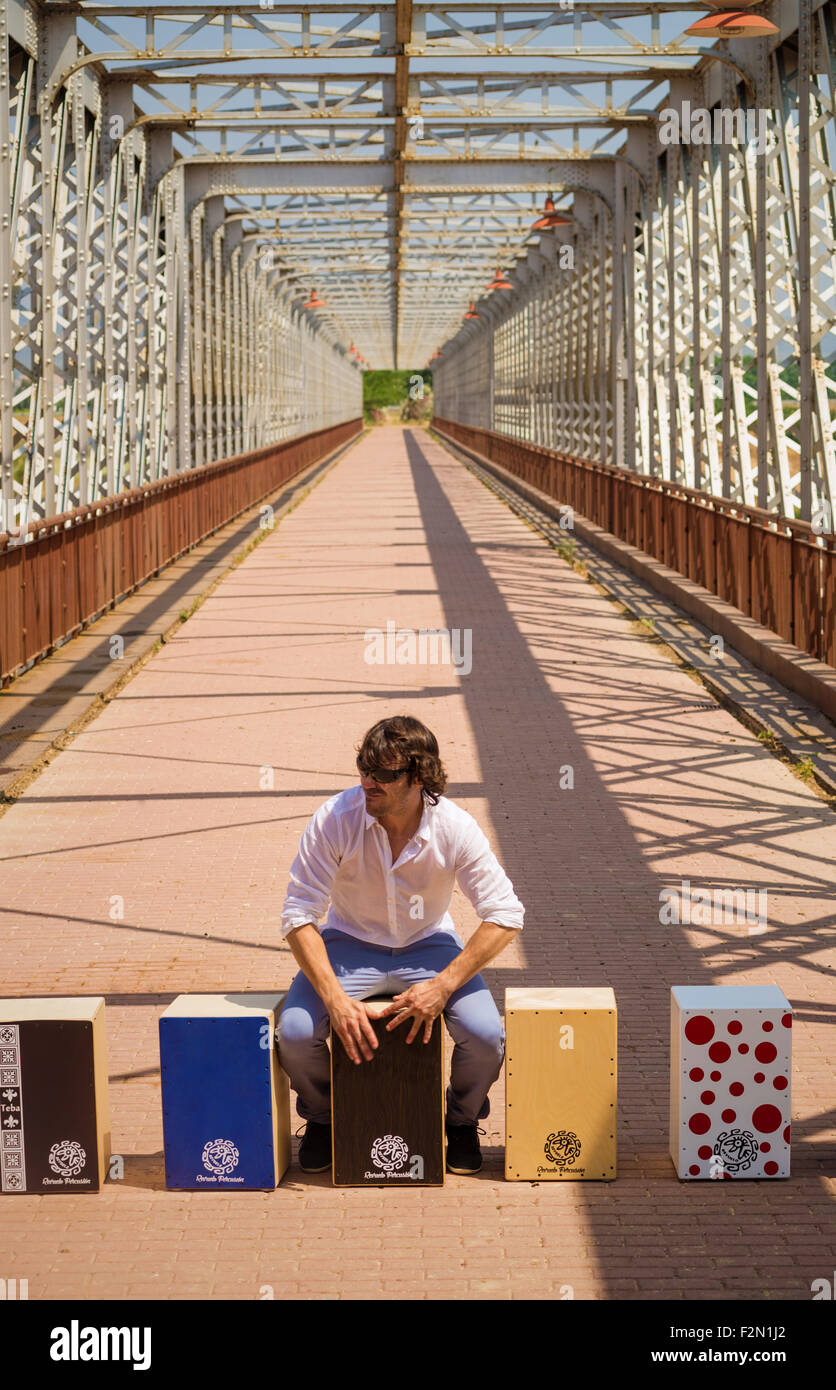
pixel 54 1113
pixel 388 1114
pixel 560 1084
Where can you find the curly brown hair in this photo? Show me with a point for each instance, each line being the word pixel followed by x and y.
pixel 403 739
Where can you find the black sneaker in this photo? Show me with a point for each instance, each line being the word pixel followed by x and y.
pixel 463 1153
pixel 315 1148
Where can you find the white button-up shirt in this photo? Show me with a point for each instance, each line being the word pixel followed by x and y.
pixel 345 858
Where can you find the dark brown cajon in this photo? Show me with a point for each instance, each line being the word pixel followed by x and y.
pixel 388 1114
pixel 54 1115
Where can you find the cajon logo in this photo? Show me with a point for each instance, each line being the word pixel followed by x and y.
pixel 389 1153
pixel 220 1156
pixel 563 1148
pixel 67 1158
pixel 737 1149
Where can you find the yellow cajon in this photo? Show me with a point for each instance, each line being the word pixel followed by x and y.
pixel 560 1084
pixel 54 1113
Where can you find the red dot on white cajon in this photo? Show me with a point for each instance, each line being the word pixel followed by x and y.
pixel 766 1118
pixel 699 1030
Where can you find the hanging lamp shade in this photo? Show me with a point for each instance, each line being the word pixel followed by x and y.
pixel 499 282
pixel 471 313
pixel 732 24
pixel 314 302
pixel 550 217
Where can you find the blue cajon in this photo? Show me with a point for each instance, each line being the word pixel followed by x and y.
pixel 226 1100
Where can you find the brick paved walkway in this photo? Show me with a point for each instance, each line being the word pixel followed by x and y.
pixel 160 803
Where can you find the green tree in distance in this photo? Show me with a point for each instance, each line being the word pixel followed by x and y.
pixel 390 388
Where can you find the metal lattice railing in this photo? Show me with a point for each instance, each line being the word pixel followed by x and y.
pixel 689 331
pixel 177 180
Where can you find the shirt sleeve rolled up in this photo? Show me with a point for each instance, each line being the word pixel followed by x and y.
pixel 485 883
pixel 312 872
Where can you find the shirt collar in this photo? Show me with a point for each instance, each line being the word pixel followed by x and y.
pixel 424 829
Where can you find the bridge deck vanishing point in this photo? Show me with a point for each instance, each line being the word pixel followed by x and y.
pixel 151 858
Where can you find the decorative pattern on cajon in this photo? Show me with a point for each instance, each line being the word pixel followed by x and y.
pixel 388 1114
pixel 731 1053
pixel 560 1084
pixel 226 1100
pixel 54 1112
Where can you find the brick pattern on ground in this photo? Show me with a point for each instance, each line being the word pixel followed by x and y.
pixel 160 810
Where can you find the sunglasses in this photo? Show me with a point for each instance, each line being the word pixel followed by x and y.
pixel 380 774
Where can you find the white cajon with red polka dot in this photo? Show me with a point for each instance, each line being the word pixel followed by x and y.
pixel 731 1054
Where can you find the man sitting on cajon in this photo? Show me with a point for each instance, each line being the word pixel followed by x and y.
pixel 386 854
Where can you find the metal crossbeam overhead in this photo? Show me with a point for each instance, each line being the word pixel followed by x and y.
pixel 181 178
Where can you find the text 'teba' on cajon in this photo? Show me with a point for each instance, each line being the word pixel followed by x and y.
pixel 54 1111
pixel 226 1099
pixel 388 1114
pixel 561 1081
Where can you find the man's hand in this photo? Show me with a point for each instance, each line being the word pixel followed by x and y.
pixel 422 1002
pixel 350 1021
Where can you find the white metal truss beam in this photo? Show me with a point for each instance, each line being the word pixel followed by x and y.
pixel 180 178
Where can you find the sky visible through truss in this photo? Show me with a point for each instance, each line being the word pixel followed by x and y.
pixel 327 240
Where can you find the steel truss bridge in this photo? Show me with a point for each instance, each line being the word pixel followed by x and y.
pixel 215 216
